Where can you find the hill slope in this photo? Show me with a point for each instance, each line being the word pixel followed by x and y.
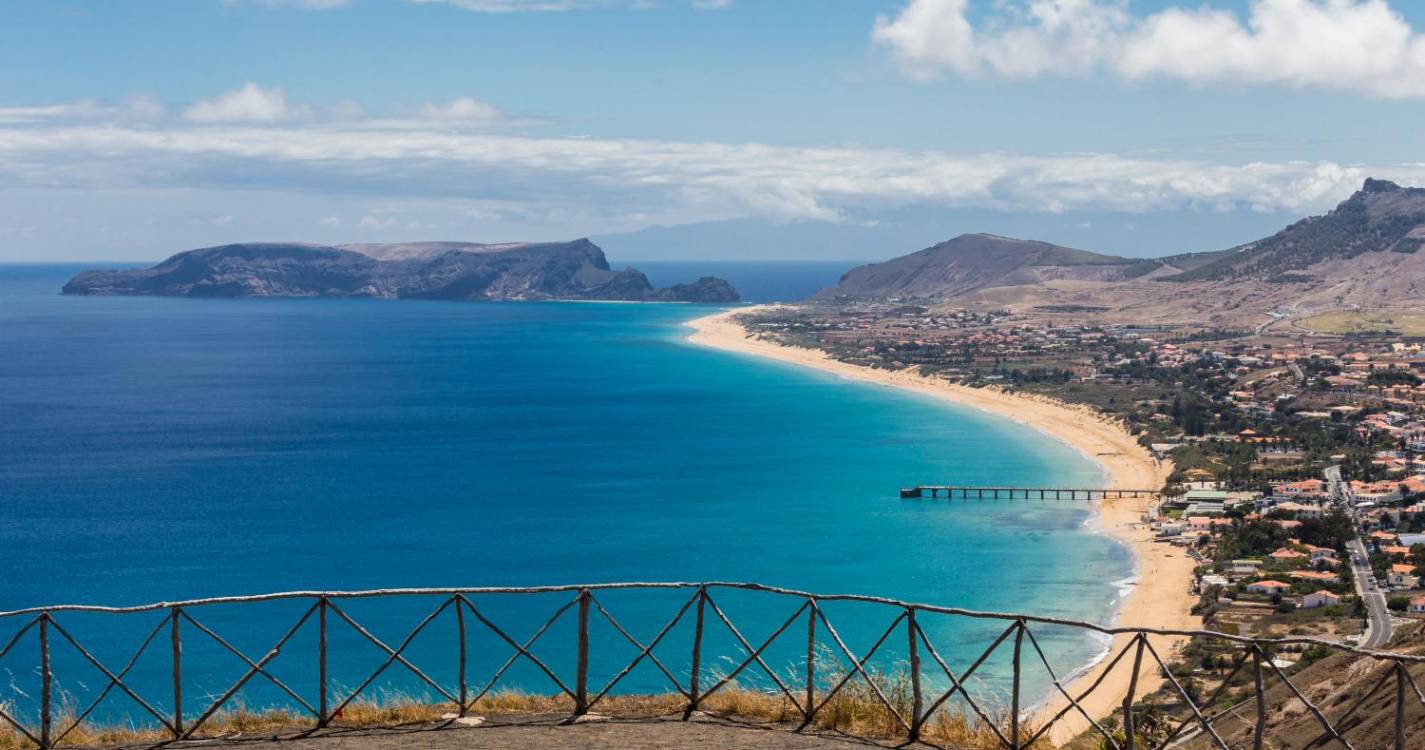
pixel 431 270
pixel 1362 254
pixel 1381 217
pixel 977 262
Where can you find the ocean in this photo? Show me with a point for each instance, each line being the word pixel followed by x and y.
pixel 160 449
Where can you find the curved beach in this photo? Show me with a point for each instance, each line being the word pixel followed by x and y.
pixel 1160 594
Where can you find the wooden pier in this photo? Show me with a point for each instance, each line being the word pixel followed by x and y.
pixel 1022 493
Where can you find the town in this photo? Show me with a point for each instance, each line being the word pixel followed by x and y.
pixel 1299 484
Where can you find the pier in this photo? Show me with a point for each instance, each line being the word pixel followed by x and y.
pixel 1021 493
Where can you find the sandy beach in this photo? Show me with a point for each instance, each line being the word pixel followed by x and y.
pixel 1159 598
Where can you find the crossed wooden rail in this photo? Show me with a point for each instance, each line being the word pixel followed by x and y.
pixel 809 699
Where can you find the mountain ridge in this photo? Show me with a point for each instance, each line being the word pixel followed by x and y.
pixel 1362 253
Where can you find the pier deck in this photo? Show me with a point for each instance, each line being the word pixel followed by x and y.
pixel 1022 493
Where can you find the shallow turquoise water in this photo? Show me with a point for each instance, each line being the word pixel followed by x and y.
pixel 157 449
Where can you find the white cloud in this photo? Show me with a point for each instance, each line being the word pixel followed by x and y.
pixel 329 221
pixel 132 109
pixel 251 103
pixel 551 178
pixel 462 108
pixel 378 222
pixel 1359 46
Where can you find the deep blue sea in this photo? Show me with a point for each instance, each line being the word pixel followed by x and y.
pixel 159 449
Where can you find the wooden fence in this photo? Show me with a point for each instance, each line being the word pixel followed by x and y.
pixel 934 684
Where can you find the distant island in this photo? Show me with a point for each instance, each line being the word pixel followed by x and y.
pixel 574 270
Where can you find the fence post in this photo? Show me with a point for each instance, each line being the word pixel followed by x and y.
pixel 1129 730
pixel 460 626
pixel 697 655
pixel 1014 691
pixel 916 699
pixel 1400 705
pixel 581 675
pixel 46 678
pixel 323 716
pixel 1261 697
pixel 177 675
pixel 807 713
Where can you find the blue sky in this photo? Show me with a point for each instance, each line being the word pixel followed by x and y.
pixel 137 129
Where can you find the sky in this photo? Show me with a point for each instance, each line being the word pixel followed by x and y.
pixel 133 129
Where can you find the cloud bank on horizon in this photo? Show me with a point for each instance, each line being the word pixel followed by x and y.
pixel 255 156
pixel 458 153
pixel 1342 45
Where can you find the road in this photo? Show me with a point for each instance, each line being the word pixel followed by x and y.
pixel 1378 623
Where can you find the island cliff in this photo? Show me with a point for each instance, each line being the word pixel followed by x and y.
pixel 574 270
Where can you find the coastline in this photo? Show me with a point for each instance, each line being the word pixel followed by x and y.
pixel 1159 596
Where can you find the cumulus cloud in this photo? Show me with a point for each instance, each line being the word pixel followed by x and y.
pixel 251 103
pixel 1360 46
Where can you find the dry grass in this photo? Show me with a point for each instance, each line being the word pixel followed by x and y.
pixel 855 710
pixel 1403 322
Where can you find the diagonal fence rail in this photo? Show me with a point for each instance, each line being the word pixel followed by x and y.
pixel 932 684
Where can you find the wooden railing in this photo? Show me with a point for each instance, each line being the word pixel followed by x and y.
pixel 931 690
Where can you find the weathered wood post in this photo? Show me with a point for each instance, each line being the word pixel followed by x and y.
pixel 581 673
pixel 46 683
pixel 1014 691
pixel 916 698
pixel 324 715
pixel 697 667
pixel 1400 677
pixel 177 639
pixel 809 713
pixel 460 628
pixel 1128 728
pixel 1261 694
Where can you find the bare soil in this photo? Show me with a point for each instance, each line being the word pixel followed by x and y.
pixel 546 732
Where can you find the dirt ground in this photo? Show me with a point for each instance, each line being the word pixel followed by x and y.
pixel 546 733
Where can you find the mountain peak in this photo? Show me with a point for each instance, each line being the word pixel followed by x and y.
pixel 1373 185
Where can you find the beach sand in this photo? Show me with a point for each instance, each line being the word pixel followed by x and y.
pixel 1160 597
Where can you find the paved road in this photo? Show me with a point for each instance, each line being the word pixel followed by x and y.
pixel 1378 624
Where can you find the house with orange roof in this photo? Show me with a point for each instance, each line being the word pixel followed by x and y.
pixel 1318 599
pixel 1306 487
pixel 1402 575
pixel 1417 605
pixel 1268 587
pixel 1313 575
pixel 1286 553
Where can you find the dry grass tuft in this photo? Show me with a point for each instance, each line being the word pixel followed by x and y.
pixel 855 710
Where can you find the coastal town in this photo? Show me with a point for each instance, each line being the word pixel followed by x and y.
pixel 1285 446
pixel 1297 481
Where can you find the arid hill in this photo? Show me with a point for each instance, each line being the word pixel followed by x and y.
pixel 1364 253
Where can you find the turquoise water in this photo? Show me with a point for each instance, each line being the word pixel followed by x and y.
pixel 158 449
